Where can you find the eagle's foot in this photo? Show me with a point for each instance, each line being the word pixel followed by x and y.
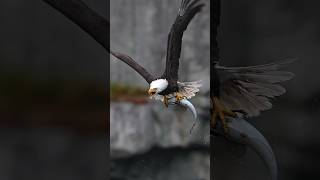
pixel 220 111
pixel 165 101
pixel 179 96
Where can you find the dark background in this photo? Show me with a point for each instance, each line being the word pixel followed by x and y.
pixel 54 79
pixel 255 32
pixel 53 84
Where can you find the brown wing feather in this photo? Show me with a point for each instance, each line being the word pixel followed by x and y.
pixel 249 89
pixel 133 64
pixel 187 11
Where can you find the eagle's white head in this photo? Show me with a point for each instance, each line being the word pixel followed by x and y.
pixel 157 86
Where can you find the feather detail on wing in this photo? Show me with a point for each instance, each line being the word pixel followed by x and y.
pixel 187 11
pixel 249 89
pixel 189 89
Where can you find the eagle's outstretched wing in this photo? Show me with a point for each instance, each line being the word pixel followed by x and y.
pixel 188 9
pixel 128 60
pixel 249 89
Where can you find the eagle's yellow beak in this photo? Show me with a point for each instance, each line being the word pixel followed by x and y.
pixel 152 91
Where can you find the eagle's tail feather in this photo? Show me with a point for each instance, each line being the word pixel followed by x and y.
pixel 189 89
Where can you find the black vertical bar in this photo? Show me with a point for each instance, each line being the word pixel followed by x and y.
pixel 108 93
pixel 215 11
pixel 215 8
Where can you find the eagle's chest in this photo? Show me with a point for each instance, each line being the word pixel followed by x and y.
pixel 172 87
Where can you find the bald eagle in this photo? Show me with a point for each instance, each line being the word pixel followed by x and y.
pixel 167 88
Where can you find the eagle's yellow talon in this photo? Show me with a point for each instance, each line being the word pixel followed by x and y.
pixel 179 96
pixel 220 111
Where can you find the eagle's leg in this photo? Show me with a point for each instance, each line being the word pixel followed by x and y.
pixel 220 111
pixel 179 96
pixel 165 101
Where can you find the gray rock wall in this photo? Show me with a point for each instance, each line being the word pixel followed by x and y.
pixel 135 129
pixel 149 141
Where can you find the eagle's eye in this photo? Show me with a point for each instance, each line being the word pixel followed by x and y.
pixel 152 91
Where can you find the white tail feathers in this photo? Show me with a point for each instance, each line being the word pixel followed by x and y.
pixel 189 89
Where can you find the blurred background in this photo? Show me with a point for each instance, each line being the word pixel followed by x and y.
pixel 256 32
pixel 147 140
pixel 53 107
pixel 53 92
